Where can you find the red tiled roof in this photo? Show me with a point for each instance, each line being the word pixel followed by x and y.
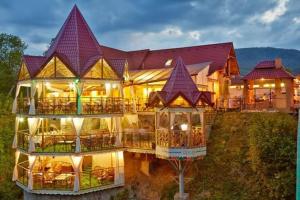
pixel 75 44
pixel 118 65
pixel 77 47
pixel 267 70
pixel 33 63
pixel 180 83
pixel 217 54
pixel 265 64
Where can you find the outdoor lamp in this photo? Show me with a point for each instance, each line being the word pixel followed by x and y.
pixel 184 127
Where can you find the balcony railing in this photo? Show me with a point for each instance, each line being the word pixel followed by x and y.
pixel 23 139
pixel 97 177
pixel 23 105
pixel 23 173
pixel 59 142
pixel 141 105
pixel 68 105
pixel 102 105
pixel 257 104
pixel 180 139
pixel 98 142
pixel 64 180
pixel 139 139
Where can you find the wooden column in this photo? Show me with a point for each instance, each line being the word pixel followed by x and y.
pixel 277 98
pixel 289 93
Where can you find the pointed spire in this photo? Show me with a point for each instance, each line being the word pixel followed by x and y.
pixel 180 81
pixel 75 44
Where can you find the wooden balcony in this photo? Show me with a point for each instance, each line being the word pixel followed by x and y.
pixel 61 142
pixel 181 144
pixel 62 178
pixel 180 139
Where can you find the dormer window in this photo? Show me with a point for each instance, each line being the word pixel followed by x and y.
pixel 168 63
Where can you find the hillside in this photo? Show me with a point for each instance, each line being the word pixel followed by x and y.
pixel 250 156
pixel 249 57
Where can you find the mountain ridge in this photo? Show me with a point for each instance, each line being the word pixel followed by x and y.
pixel 249 57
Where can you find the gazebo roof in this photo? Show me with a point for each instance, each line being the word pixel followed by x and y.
pixel 181 84
pixel 269 69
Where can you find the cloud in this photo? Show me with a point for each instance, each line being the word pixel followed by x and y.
pixel 195 35
pixel 130 25
pixel 296 20
pixel 273 14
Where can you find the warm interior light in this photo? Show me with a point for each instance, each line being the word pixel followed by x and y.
pixel 21 119
pixel 147 91
pixel 262 79
pixel 55 94
pixel 266 85
pixel 94 93
pixel 256 86
pixel 184 127
pixel 273 85
pixel 281 84
pixel 114 86
pixel 71 85
pixel 107 85
pixel 47 84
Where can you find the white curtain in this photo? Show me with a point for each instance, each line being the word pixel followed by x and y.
pixel 119 130
pixel 31 160
pixel 132 94
pixel 39 89
pixel 15 142
pixel 76 163
pixel 15 173
pixel 157 120
pixel 14 107
pixel 108 122
pixel 119 168
pixel 33 125
pixel 108 89
pixel 189 121
pixel 114 124
pixel 77 123
pixel 32 101
pixel 172 118
pixel 79 90
pixel 202 120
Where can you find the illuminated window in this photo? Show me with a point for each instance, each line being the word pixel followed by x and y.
pixel 168 63
pixel 55 68
pixel 24 73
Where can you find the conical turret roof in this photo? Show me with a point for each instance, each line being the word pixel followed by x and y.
pixel 180 83
pixel 75 44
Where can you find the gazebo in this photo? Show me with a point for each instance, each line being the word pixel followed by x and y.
pixel 269 86
pixel 180 127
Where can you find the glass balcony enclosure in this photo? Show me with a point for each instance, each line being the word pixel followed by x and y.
pixel 180 129
pixel 65 97
pixel 59 135
pixel 63 173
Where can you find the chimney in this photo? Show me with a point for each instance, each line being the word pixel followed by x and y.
pixel 278 63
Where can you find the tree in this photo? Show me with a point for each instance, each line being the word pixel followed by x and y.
pixel 11 51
